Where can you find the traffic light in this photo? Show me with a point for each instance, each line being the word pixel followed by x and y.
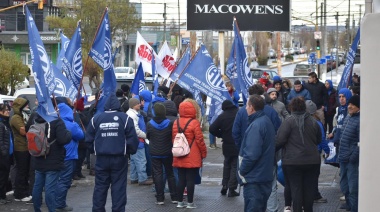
pixel 318 46
pixel 41 4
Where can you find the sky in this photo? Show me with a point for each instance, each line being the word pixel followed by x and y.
pixel 152 10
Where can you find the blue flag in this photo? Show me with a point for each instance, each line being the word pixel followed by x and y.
pixel 101 53
pixel 198 98
pixel 64 44
pixel 154 75
pixel 346 79
pixel 72 61
pixel 138 83
pixel 42 71
pixel 117 50
pixel 185 59
pixel 237 66
pixel 64 86
pixel 202 74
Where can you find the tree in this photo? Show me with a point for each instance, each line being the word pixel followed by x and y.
pixel 123 18
pixel 12 71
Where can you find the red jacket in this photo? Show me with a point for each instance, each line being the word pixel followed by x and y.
pixel 198 149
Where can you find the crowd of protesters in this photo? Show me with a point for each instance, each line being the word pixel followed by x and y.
pixel 280 125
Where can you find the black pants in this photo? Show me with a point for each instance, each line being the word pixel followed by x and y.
pixel 22 174
pixel 158 177
pixel 329 123
pixel 229 172
pixel 32 174
pixel 302 179
pixel 5 167
pixel 79 163
pixel 110 171
pixel 186 178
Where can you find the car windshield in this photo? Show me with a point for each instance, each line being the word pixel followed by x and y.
pixel 302 66
pixel 122 70
pixel 256 74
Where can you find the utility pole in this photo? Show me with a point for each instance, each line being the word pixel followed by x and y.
pixel 360 13
pixel 164 22
pixel 179 32
pixel 325 30
pixel 353 26
pixel 348 26
pixel 336 42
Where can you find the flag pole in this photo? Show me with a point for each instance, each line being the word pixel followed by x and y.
pixel 85 66
pixel 179 59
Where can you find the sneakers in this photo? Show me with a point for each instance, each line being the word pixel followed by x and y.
pixel 67 208
pixel 191 205
pixel 212 146
pixel 181 205
pixel 320 200
pixel 224 190
pixel 342 198
pixel 25 199
pixel 174 202
pixel 134 181
pixel 233 193
pixel 160 203
pixel 287 209
pixel 147 182
pixel 10 193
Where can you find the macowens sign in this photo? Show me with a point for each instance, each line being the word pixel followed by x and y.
pixel 252 15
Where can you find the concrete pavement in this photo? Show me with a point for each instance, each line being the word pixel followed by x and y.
pixel 207 195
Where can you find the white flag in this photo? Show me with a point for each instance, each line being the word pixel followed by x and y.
pixel 165 61
pixel 175 54
pixel 144 54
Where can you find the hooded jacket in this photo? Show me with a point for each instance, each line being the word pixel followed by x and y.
pixel 318 93
pixel 62 136
pixel 342 113
pixel 18 125
pixel 349 140
pixel 171 110
pixel 159 133
pixel 222 128
pixel 278 106
pixel 112 133
pixel 303 93
pixel 147 96
pixel 66 113
pixel 298 137
pixel 256 156
pixel 332 102
pixel 5 139
pixel 193 135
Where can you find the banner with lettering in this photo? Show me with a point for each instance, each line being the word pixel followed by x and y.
pixel 167 63
pixel 144 54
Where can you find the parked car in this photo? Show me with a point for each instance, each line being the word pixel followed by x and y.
pixel 257 73
pixel 291 51
pixel 303 69
pixel 296 50
pixel 284 52
pixel 342 58
pixel 302 51
pixel 28 93
pixel 4 99
pixel 124 72
pixel 330 65
pixel 272 53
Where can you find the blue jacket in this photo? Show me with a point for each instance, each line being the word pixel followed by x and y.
pixel 342 113
pixel 235 97
pixel 256 157
pixel 241 123
pixel 112 132
pixel 323 145
pixel 66 113
pixel 349 150
pixel 147 96
pixel 293 93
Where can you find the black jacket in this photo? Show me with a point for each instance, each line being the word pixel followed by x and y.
pixel 222 128
pixel 124 104
pixel 159 133
pixel 54 160
pixel 318 93
pixel 4 138
pixel 171 110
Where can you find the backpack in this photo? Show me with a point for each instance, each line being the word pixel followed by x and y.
pixel 38 144
pixel 181 147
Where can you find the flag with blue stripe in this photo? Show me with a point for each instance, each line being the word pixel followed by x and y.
pixel 72 61
pixel 64 86
pixel 64 44
pixel 42 71
pixel 101 53
pixel 154 74
pixel 138 83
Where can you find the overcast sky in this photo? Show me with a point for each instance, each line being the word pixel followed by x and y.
pixel 152 10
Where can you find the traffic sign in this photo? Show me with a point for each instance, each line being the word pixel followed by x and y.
pixel 321 61
pixel 334 57
pixel 328 57
pixel 317 35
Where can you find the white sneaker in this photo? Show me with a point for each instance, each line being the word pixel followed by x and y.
pixel 181 205
pixel 25 199
pixel 287 209
pixel 9 193
pixel 342 198
pixel 160 203
pixel 191 205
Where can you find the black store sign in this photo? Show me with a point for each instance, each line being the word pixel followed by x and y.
pixel 252 15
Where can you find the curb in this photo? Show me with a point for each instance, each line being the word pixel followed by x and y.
pixel 288 63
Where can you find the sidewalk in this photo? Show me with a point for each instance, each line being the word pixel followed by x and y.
pixel 207 195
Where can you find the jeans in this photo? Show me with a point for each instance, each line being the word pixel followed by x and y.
pixel 138 166
pixel 148 160
pixel 272 204
pixel 110 171
pixel 349 183
pixel 302 179
pixel 22 174
pixel 186 179
pixel 158 178
pixel 212 138
pixel 64 183
pixel 229 172
pixel 48 180
pixel 79 163
pixel 256 196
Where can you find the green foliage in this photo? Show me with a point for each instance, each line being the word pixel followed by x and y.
pixel 289 57
pixel 262 60
pixel 12 70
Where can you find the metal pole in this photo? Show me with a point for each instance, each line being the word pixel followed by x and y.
pixel 164 22
pixel 279 53
pixel 221 51
pixel 360 13
pixel 325 30
pixel 353 26
pixel 348 26
pixel 179 31
pixel 337 42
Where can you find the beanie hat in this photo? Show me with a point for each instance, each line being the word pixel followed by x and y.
pixel 310 107
pixel 159 110
pixel 171 108
pixel 263 81
pixel 133 102
pixel 355 100
pixel 270 90
pixel 79 105
pixel 277 78
pixel 119 93
pixel 125 88
pixel 347 93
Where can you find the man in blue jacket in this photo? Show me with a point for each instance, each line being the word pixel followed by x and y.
pixel 256 157
pixel 298 90
pixel 349 154
pixel 111 136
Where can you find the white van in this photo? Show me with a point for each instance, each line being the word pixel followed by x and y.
pixel 4 99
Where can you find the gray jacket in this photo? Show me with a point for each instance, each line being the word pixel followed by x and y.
pixel 280 108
